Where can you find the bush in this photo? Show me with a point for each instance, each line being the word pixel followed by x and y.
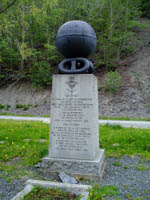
pixel 1 106
pixel 2 80
pixel 41 74
pixel 113 81
pixel 25 107
pixel 145 8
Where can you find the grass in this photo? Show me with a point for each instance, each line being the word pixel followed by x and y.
pixel 20 141
pixel 118 141
pixel 21 146
pixel 40 193
pixel 117 164
pixel 99 193
pixel 142 167
pixel 22 115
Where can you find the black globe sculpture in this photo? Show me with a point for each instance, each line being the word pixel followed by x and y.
pixel 76 40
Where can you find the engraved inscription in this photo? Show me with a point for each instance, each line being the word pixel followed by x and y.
pixel 72 131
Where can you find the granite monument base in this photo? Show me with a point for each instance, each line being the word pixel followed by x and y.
pixel 85 168
pixel 74 129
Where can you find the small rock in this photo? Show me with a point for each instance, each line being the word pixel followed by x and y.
pixel 67 179
pixel 37 165
pixel 27 140
pixel 116 145
pixel 41 140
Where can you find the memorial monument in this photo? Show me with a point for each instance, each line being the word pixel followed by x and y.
pixel 74 129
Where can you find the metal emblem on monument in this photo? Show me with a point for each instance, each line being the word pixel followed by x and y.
pixel 71 86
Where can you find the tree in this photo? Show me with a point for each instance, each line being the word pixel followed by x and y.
pixel 28 32
pixel 8 6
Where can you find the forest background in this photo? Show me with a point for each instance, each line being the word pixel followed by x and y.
pixel 28 31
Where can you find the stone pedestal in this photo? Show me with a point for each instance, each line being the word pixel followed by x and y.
pixel 74 135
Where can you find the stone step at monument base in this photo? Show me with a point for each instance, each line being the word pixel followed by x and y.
pixel 85 168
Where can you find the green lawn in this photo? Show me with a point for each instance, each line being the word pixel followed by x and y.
pixel 26 143
pixel 22 115
pixel 22 145
pixel 118 141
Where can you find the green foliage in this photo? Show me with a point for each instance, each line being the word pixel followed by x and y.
pixel 2 106
pixel 7 107
pixel 21 141
pixel 113 81
pixel 41 193
pixel 24 106
pixel 145 8
pixel 99 193
pixel 28 32
pixel 41 74
pixel 142 167
pixel 126 167
pixel 125 141
pixel 117 164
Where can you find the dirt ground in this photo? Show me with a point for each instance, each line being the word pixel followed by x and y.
pixel 132 99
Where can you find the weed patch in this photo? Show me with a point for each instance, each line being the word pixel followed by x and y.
pixel 2 106
pixel 24 106
pixel 142 167
pixel 40 193
pixel 99 193
pixel 117 164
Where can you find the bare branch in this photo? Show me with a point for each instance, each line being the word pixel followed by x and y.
pixel 8 6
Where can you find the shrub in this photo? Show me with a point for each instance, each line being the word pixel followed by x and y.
pixel 145 8
pixel 1 106
pixel 25 107
pixel 113 81
pixel 7 107
pixel 41 74
pixel 2 80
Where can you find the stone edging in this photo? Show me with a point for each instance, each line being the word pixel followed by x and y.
pixel 71 188
pixel 24 192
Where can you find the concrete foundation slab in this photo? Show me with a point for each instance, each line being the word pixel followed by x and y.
pixel 87 168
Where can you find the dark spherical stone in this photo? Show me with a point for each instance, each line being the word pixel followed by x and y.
pixel 76 39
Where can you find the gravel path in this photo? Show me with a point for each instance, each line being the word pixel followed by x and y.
pixel 132 177
pixel 131 182
pixel 8 189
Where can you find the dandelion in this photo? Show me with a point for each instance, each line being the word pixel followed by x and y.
pixel 6 138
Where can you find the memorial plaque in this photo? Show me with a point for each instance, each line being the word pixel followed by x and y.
pixel 74 117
